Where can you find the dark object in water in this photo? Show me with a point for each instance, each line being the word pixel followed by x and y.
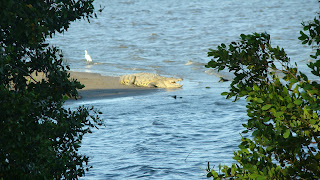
pixel 223 79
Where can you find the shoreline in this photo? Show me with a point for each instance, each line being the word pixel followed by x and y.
pixel 99 86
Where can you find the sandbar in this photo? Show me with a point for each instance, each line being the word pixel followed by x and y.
pixel 100 86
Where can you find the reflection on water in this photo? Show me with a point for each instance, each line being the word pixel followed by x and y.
pixel 156 135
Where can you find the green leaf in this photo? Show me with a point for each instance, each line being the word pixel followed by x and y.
pixel 245 131
pixel 259 100
pixel 256 88
pixel 298 102
pixel 261 177
pixel 279 113
pixel 293 80
pixel 286 134
pixel 266 107
pixel 224 93
pixel 241 146
pixel 255 133
pixel 290 105
pixel 269 148
pixel 213 173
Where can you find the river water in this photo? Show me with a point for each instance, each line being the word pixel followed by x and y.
pixel 156 136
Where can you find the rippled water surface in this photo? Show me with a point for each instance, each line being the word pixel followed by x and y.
pixel 155 136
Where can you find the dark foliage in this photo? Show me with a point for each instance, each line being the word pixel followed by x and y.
pixel 283 113
pixel 39 137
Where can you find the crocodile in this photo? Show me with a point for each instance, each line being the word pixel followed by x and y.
pixel 150 80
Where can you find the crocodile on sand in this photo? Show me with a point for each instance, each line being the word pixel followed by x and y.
pixel 150 80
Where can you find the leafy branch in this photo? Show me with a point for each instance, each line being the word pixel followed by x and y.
pixel 283 113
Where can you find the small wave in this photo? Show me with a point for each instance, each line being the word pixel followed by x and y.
pixel 100 101
pixel 195 63
pixel 223 74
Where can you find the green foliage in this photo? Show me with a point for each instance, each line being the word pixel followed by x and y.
pixel 39 137
pixel 283 112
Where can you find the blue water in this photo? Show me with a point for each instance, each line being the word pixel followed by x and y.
pixel 155 136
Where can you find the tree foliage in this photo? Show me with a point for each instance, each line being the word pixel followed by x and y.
pixel 39 137
pixel 283 113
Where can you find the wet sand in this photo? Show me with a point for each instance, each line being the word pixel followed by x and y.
pixel 98 86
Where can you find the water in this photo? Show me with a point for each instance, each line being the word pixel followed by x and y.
pixel 156 136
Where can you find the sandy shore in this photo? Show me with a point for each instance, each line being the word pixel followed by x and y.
pixel 98 86
pixel 97 81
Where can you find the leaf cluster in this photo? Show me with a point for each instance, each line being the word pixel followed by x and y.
pixel 39 137
pixel 283 113
pixel 250 60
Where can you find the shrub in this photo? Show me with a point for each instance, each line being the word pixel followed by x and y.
pixel 39 137
pixel 283 113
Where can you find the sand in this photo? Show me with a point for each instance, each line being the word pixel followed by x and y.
pixel 98 86
pixel 97 81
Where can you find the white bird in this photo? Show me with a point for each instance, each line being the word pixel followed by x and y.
pixel 87 56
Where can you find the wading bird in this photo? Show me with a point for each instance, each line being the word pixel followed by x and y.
pixel 87 56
